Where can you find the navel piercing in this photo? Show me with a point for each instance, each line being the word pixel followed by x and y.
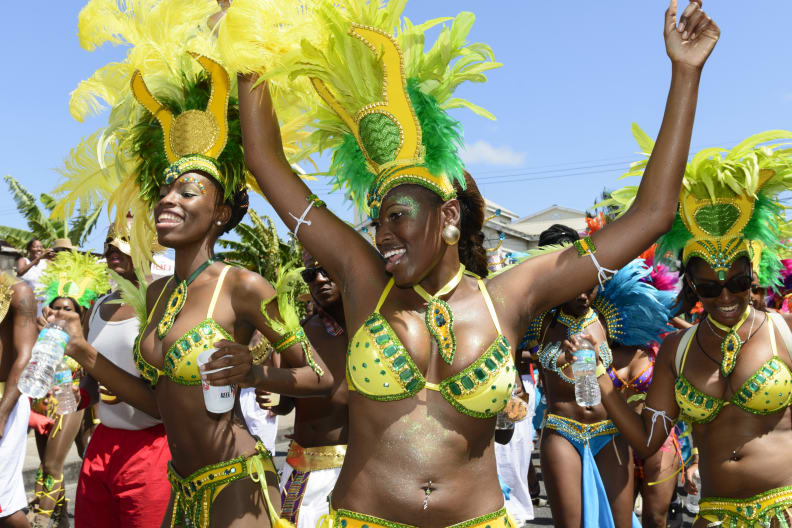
pixel 427 492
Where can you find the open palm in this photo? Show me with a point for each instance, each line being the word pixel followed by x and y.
pixel 690 41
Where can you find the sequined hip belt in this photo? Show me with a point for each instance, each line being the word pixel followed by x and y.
pixel 759 510
pixel 194 495
pixel 579 431
pixel 315 458
pixel 349 519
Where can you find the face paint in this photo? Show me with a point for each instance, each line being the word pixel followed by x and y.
pixel 194 180
pixel 411 204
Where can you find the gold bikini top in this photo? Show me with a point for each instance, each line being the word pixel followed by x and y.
pixel 380 368
pixel 767 391
pixel 180 363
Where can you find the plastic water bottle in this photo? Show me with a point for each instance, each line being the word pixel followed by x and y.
pixel 587 391
pixel 62 389
pixel 48 351
pixel 692 501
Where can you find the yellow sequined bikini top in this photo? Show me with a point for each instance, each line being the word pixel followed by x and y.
pixel 380 368
pixel 767 391
pixel 180 363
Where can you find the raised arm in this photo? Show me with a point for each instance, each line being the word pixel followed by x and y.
pixel 543 282
pixel 23 311
pixel 349 258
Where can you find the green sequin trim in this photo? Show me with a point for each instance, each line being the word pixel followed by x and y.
pixel 362 517
pixel 148 371
pixel 585 246
pixel 717 219
pixel 439 319
pixel 705 407
pixel 394 357
pixel 749 512
pixel 174 305
pixel 204 334
pixel 476 375
pixel 298 336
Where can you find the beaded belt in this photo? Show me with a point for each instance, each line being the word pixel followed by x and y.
pixel 315 458
pixel 194 495
pixel 350 519
pixel 759 510
pixel 580 431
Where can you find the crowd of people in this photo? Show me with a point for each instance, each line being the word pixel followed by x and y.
pixel 421 376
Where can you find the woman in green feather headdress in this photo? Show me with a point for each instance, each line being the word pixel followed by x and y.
pixel 436 346
pixel 730 376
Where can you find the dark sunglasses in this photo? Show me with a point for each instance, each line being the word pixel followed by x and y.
pixel 737 284
pixel 309 274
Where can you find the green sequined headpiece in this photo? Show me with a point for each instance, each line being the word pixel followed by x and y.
pixel 727 204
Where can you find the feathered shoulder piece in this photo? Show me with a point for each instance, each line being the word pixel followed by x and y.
pixel 135 296
pixel 385 98
pixel 728 200
pixel 79 276
pixel 635 312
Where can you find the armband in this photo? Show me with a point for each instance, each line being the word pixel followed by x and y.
pixel 298 336
pixel 262 351
pixel 585 246
pixel 313 201
pixel 694 451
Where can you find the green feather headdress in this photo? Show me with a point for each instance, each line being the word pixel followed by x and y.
pixel 728 207
pixel 384 134
pixel 81 277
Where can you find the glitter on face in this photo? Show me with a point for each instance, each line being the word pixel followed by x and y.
pixel 409 202
pixel 194 180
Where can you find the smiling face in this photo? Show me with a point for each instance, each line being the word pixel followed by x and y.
pixel 36 249
pixel 409 231
pixel 323 289
pixel 188 211
pixel 727 307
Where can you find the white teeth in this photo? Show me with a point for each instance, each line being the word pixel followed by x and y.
pixel 168 217
pixel 394 252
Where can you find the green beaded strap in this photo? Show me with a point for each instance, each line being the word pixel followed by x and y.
pixel 298 336
pixel 176 301
pixel 731 344
pixel 584 246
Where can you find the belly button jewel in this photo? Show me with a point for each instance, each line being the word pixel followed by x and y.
pixel 427 492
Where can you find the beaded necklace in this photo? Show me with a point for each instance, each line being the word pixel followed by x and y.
pixel 731 344
pixel 439 318
pixel 177 299
pixel 576 325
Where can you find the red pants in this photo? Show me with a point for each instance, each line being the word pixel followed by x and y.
pixel 123 480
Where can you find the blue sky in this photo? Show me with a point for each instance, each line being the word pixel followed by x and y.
pixel 575 75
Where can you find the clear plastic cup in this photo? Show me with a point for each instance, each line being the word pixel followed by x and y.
pixel 218 399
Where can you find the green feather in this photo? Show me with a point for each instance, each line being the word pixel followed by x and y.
pixel 134 296
pixel 669 245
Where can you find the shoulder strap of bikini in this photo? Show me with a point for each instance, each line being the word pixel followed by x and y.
pixel 783 329
pixel 384 295
pixel 154 309
pixel 683 347
pixel 216 292
pixel 490 307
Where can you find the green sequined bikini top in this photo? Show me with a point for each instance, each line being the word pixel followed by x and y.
pixel 767 391
pixel 380 368
pixel 180 363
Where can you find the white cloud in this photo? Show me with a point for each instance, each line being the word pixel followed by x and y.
pixel 482 152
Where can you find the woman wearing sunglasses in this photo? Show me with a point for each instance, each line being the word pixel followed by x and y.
pixel 729 375
pixel 430 362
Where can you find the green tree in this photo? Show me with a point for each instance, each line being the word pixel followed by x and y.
pixel 260 249
pixel 40 225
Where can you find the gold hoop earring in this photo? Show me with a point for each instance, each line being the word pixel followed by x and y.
pixel 451 234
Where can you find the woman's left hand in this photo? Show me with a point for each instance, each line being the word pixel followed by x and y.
pixel 691 41
pixel 236 363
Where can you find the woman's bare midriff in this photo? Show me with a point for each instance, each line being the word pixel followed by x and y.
pixel 397 448
pixel 745 454
pixel 198 438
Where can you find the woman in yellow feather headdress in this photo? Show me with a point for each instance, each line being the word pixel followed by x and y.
pixel 420 346
pixel 730 375
pixel 175 126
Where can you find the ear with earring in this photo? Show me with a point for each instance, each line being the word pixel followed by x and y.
pixel 219 223
pixel 451 234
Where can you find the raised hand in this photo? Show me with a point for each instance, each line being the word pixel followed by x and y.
pixel 690 41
